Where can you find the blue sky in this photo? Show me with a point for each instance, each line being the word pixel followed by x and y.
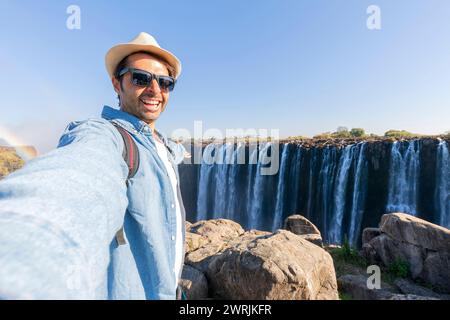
pixel 301 66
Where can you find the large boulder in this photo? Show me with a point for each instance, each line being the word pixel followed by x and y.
pixel 262 265
pixel 415 231
pixel 299 225
pixel 216 229
pixel 194 283
pixel 424 246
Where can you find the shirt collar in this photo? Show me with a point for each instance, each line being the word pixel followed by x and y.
pixel 130 122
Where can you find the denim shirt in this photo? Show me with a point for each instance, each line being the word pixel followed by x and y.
pixel 59 215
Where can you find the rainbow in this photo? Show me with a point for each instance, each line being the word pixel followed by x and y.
pixel 23 149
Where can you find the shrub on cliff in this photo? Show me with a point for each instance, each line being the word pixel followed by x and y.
pixel 357 132
pixel 399 134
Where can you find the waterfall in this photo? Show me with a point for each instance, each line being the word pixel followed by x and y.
pixel 238 158
pixel 340 189
pixel 442 194
pixel 403 177
pixel 359 193
pixel 294 181
pixel 281 199
pixel 341 193
pixel 258 189
pixel 326 182
pixel 206 168
pixel 253 160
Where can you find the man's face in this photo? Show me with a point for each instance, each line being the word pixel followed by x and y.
pixel 146 103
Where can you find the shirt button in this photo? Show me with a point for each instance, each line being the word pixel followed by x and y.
pixel 172 205
pixel 173 237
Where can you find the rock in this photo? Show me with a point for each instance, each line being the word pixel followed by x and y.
pixel 194 283
pixel 406 228
pixel 194 241
pixel 313 238
pixel 270 266
pixel 389 251
pixel 301 226
pixel 356 287
pixel 436 270
pixel 408 287
pixel 217 229
pixel 298 224
pixel 370 233
pixel 424 246
pixel 410 297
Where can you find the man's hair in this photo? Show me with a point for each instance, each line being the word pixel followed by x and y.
pixel 124 63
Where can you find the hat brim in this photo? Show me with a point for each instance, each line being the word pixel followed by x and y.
pixel 120 51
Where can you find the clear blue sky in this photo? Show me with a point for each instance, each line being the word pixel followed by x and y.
pixel 301 66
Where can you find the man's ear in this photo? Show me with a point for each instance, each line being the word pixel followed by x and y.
pixel 116 84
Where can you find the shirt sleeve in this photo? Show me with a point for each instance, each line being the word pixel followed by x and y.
pixel 59 214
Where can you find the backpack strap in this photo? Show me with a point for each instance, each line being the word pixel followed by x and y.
pixel 130 151
pixel 131 156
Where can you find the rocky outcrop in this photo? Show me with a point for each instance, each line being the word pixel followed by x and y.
pixel 424 247
pixel 356 286
pixel 194 283
pixel 301 226
pixel 259 264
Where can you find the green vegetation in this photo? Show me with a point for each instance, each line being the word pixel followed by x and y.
pixel 347 259
pixel 399 268
pixel 343 133
pixel 358 132
pixel 399 134
pixel 345 296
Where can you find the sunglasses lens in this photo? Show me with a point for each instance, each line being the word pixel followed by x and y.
pixel 141 79
pixel 166 83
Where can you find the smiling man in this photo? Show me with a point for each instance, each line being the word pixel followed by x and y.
pixel 101 216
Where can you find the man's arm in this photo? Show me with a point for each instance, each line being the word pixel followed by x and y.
pixel 59 214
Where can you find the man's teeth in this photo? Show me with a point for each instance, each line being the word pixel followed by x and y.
pixel 152 102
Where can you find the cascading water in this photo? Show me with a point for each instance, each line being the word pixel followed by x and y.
pixel 340 194
pixel 258 190
pixel 359 193
pixel 281 189
pixel 403 177
pixel 442 194
pixel 340 189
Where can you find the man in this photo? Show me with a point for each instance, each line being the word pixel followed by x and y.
pixel 71 228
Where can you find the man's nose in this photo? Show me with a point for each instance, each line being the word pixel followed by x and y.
pixel 153 87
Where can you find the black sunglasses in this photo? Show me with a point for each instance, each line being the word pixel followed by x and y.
pixel 144 78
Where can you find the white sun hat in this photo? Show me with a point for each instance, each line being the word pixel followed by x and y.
pixel 143 42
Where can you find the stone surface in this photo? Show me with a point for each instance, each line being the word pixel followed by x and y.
pixel 436 270
pixel 313 238
pixel 217 229
pixel 194 241
pixel 298 224
pixel 356 287
pixel 407 228
pixel 269 266
pixel 369 233
pixel 410 297
pixel 424 246
pixel 406 286
pixel 194 283
pixel 388 251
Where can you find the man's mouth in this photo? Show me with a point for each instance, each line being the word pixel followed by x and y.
pixel 151 104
